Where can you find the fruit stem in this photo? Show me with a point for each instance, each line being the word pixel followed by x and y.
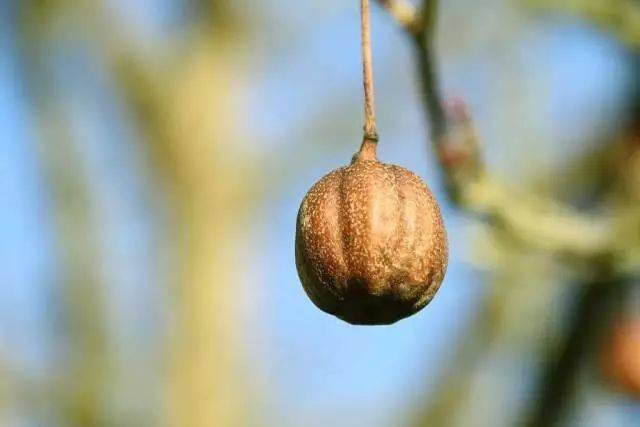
pixel 370 140
pixel 370 132
pixel 367 150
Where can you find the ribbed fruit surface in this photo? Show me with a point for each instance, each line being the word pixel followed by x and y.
pixel 371 247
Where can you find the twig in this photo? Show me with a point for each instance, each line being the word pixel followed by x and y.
pixel 432 98
pixel 367 73
pixel 420 27
pixel 535 222
pixel 367 151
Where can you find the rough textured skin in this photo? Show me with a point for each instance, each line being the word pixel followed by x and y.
pixel 371 247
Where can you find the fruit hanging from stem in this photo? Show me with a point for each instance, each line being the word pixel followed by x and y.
pixel 371 247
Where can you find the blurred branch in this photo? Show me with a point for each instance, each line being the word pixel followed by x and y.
pixel 6 387
pixel 515 323
pixel 184 107
pixel 454 386
pixel 620 17
pixel 89 378
pixel 534 222
pixel 185 102
pixel 591 313
pixel 531 222
pixel 84 385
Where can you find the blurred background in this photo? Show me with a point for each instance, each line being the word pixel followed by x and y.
pixel 154 155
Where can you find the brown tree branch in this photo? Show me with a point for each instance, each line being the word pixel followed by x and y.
pixel 535 222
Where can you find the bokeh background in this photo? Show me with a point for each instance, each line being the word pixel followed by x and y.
pixel 154 155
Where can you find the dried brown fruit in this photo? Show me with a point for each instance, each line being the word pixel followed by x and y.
pixel 621 361
pixel 371 247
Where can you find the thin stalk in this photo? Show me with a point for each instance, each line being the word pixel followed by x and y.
pixel 368 149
